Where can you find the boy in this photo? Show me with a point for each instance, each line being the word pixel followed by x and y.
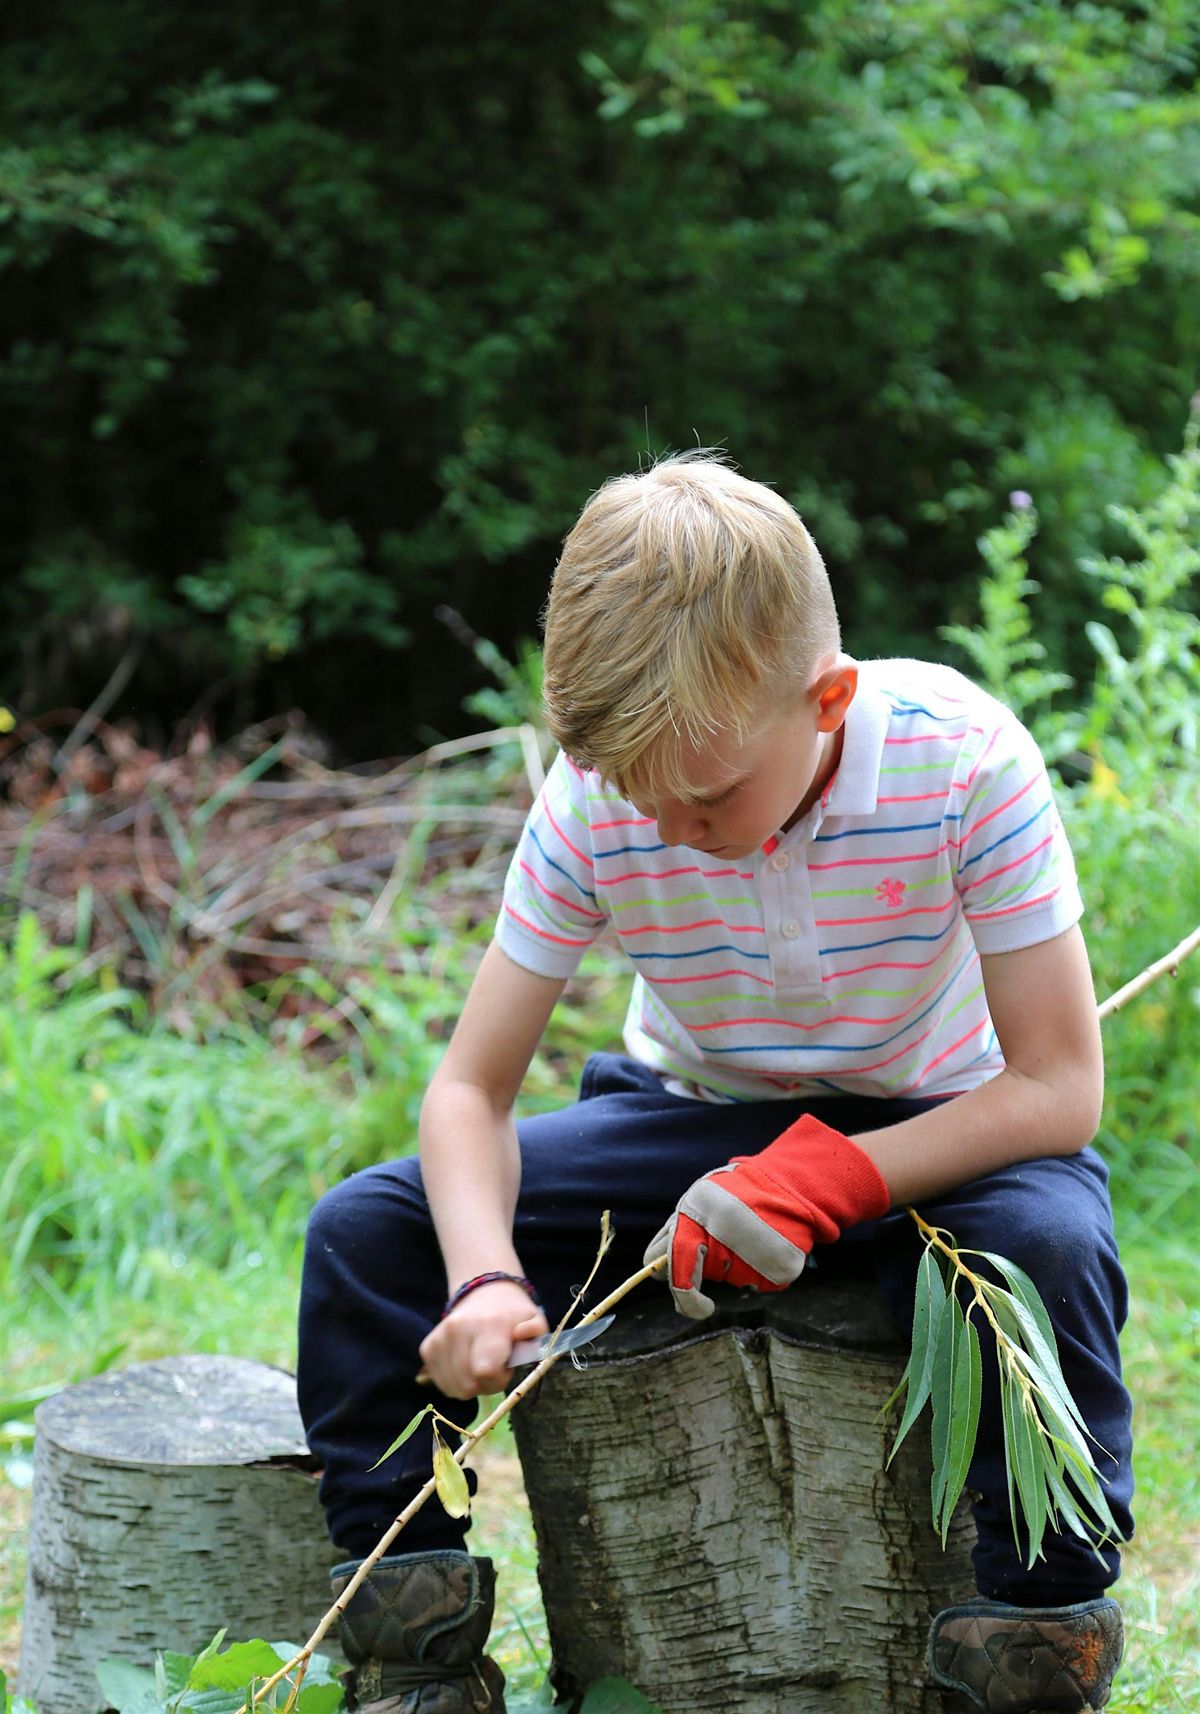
pixel 860 984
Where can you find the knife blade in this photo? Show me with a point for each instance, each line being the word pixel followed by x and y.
pixel 570 1339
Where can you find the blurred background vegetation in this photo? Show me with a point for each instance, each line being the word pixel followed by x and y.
pixel 319 322
pixel 317 316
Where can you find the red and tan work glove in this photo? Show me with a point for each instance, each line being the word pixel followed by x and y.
pixel 754 1221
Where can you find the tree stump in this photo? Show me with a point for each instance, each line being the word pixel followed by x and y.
pixel 714 1519
pixel 169 1499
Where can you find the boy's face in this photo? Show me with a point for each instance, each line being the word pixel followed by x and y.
pixel 741 794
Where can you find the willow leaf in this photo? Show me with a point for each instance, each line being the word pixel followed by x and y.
pixel 403 1436
pixel 450 1479
pixel 1083 1473
pixel 942 1393
pixel 1059 1424
pixel 1050 1402
pixel 928 1306
pixel 1065 1502
pixel 1023 1330
pixel 964 1420
pixel 1031 1484
pixel 1008 1405
pixel 1024 1289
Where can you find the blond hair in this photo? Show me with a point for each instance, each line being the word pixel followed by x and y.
pixel 687 604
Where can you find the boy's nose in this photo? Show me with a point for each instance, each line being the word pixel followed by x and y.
pixel 681 824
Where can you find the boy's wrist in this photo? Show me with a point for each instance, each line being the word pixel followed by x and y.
pixel 492 1276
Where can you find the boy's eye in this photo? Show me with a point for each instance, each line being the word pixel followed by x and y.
pixel 716 802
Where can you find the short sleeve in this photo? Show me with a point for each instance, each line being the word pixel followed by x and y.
pixel 550 914
pixel 1014 871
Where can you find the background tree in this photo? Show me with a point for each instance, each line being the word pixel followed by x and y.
pixel 315 317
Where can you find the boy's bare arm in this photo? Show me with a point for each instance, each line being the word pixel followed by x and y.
pixel 1047 1099
pixel 470 1166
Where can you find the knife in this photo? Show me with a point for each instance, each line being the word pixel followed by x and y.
pixel 527 1351
pixel 570 1339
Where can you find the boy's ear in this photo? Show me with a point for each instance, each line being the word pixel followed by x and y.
pixel 835 690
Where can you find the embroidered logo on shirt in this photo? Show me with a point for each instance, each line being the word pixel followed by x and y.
pixel 890 893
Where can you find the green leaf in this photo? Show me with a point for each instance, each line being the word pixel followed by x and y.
pixel 319 1698
pixel 941 1395
pixel 172 1671
pixel 1027 1294
pixel 1007 1407
pixel 928 1307
pixel 1031 1485
pixel 1033 1351
pixel 234 1669
pixel 1064 1503
pixel 129 1689
pixel 403 1436
pixel 1082 1472
pixel 320 1669
pixel 210 1701
pixel 964 1422
pixel 616 1696
pixel 451 1481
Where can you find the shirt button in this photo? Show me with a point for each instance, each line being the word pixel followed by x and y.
pixel 791 930
pixel 780 861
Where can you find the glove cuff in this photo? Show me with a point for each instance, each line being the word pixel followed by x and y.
pixel 813 1161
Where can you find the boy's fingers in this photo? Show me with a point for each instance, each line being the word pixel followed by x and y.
pixel 489 1360
pixel 531 1328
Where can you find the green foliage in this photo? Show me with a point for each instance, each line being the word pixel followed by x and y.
pixel 219 1681
pixel 1131 817
pixel 10 1704
pixel 309 317
pixel 1005 655
pixel 1052 1476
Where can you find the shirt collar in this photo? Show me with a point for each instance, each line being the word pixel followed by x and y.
pixel 855 786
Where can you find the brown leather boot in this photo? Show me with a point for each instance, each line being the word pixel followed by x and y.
pixel 1027 1660
pixel 415 1632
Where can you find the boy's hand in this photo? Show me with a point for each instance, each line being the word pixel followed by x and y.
pixel 467 1353
pixel 754 1221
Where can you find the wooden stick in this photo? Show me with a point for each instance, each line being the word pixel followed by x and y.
pixel 1170 963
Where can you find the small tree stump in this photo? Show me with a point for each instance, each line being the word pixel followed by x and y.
pixel 714 1519
pixel 169 1499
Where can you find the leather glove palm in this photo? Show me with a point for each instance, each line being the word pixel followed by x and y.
pixel 754 1221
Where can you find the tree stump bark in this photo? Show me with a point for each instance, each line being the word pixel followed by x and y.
pixel 714 1519
pixel 169 1499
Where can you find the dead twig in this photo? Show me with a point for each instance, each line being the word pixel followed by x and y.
pixel 1168 964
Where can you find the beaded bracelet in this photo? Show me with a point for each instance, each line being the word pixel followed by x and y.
pixel 468 1286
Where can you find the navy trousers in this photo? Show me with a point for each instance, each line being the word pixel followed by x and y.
pixel 374 1284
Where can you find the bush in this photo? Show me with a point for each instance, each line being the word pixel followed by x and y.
pixel 1131 817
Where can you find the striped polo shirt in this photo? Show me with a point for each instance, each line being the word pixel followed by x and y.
pixel 843 957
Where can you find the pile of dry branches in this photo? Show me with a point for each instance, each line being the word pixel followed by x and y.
pixel 239 862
